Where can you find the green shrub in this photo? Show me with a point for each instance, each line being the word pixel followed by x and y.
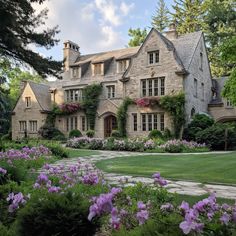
pixel 56 214
pixel 199 123
pixel 57 150
pixel 90 133
pixel 174 148
pixel 48 132
pixel 214 136
pixel 115 134
pixel 155 134
pixel 167 134
pixel 75 133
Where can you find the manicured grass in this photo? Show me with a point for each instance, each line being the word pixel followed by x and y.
pixel 81 152
pixel 204 168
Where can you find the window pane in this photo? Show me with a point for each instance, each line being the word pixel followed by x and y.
pixel 155 87
pixel 135 126
pixel 150 58
pixel 143 122
pixel 155 121
pixel 144 93
pixel 149 87
pixel 156 56
pixel 162 86
pixel 162 124
pixel 149 122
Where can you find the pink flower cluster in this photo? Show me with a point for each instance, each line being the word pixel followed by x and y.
pixel 159 180
pixel 177 142
pixel 70 108
pixel 16 200
pixel 143 102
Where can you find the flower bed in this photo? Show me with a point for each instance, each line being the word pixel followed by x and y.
pixel 136 145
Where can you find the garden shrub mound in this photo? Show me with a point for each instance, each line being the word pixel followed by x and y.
pixel 75 133
pixel 138 145
pixel 215 136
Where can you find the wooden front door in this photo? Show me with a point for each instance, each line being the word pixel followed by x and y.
pixel 110 124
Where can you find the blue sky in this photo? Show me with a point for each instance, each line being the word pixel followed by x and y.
pixel 96 25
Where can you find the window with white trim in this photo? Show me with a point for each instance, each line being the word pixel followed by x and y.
pixel 153 87
pixel 71 123
pixel 122 65
pixel 33 125
pixel 110 91
pixel 76 72
pixel 74 95
pixel 151 121
pixel 153 57
pixel 23 125
pixel 98 69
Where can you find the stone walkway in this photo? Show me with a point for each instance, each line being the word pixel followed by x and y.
pixel 181 187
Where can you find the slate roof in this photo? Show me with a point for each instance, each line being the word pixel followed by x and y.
pixel 42 94
pixel 183 47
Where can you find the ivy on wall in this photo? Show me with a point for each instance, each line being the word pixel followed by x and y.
pixel 90 102
pixel 122 115
pixel 174 105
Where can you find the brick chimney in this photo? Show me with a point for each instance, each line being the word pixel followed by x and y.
pixel 70 54
pixel 171 34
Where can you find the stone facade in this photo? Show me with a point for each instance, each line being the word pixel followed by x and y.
pixel 163 65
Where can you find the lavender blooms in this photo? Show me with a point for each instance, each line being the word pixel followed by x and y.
pixel 16 200
pixel 3 171
pixel 159 180
pixel 142 215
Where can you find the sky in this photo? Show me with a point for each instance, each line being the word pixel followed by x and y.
pixel 95 25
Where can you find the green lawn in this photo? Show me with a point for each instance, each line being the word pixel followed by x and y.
pixel 81 152
pixel 204 168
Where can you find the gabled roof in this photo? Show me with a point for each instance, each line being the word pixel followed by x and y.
pixel 185 46
pixel 42 94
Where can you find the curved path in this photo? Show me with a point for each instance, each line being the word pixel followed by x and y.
pixel 181 187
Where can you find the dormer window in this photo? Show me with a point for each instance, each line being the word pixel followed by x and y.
pixel 28 102
pixel 98 69
pixel 76 72
pixel 153 57
pixel 122 65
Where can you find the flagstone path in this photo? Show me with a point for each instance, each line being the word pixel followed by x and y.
pixel 180 187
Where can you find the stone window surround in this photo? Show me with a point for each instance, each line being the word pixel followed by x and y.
pixel 110 91
pixel 28 102
pixel 71 123
pixel 22 125
pixel 33 126
pixel 154 88
pixel 76 72
pixel 98 69
pixel 122 65
pixel 73 94
pixel 155 55
pixel 150 121
pixel 135 121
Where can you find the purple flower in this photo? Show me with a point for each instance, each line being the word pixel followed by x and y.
pixel 90 179
pixel 142 216
pixel 16 200
pixel 141 205
pixel 159 180
pixel 54 189
pixel 225 218
pixel 188 226
pixel 3 171
pixel 184 206
pixel 42 178
pixel 115 220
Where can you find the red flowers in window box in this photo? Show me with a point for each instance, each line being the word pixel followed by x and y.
pixel 69 108
pixel 147 102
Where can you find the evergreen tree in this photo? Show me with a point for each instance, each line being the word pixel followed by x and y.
pixel 137 36
pixel 188 15
pixel 220 20
pixel 161 20
pixel 19 28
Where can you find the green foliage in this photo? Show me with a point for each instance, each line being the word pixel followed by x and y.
pixel 137 37
pixel 56 214
pixel 220 20
pixel 57 150
pixel 20 28
pixel 188 15
pixel 167 134
pixel 122 116
pixel 155 134
pixel 160 21
pixel 199 123
pixel 115 134
pixel 90 133
pixel 228 56
pixel 215 136
pixel 174 105
pixel 75 133
pixel 49 132
pixel 90 103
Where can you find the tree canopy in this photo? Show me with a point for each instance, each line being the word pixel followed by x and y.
pixel 20 28
pixel 161 19
pixel 137 36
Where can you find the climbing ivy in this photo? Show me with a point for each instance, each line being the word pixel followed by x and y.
pixel 90 102
pixel 174 105
pixel 122 115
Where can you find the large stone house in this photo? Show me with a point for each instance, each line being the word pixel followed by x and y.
pixel 164 64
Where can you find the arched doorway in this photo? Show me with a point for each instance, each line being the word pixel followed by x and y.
pixel 110 123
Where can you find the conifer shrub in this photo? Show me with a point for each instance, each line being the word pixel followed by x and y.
pixel 75 133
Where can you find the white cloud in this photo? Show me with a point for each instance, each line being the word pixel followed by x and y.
pixel 93 24
pixel 125 8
